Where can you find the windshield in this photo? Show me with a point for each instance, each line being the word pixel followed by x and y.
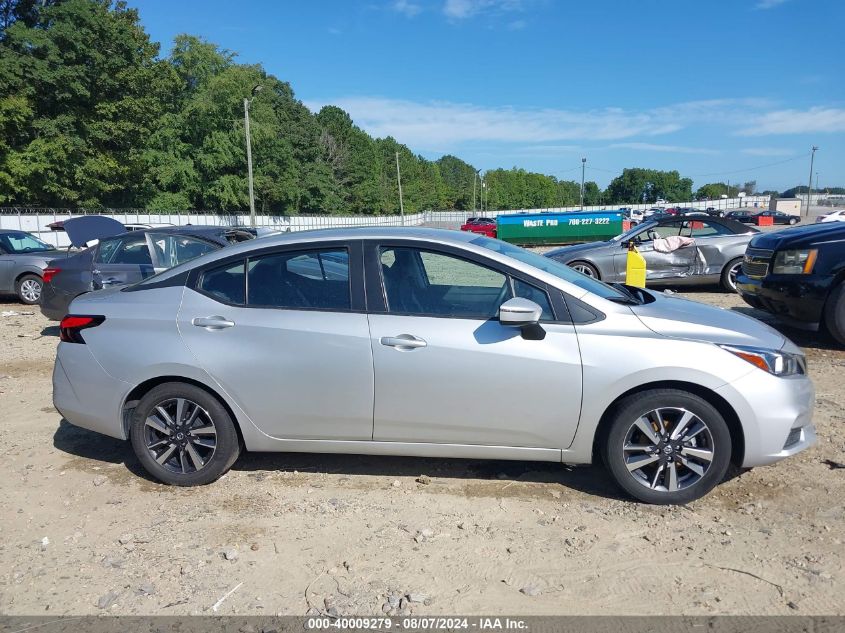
pixel 550 266
pixel 18 242
pixel 622 237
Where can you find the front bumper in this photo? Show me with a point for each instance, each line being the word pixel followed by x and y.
pixel 776 415
pixel 78 378
pixel 798 300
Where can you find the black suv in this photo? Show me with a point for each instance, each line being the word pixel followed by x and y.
pixel 798 275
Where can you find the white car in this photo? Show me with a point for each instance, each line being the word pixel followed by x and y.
pixel 833 216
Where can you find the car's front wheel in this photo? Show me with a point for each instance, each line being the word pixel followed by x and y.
pixel 28 288
pixel 667 446
pixel 793 221
pixel 729 274
pixel 834 313
pixel 183 435
pixel 586 268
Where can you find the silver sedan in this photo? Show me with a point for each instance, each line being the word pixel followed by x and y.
pixel 429 343
pixel 714 255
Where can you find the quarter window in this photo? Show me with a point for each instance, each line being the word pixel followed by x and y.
pixel 300 280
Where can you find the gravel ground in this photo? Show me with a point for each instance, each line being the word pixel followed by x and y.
pixel 84 531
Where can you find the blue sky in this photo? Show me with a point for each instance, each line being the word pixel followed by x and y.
pixel 722 89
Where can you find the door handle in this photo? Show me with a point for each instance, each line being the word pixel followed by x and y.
pixel 212 322
pixel 110 281
pixel 403 342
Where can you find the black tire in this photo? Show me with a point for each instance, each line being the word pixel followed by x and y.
pixel 28 288
pixel 689 484
pixel 179 468
pixel 586 267
pixel 834 314
pixel 728 280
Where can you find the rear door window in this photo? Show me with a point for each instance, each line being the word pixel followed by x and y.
pixel 310 280
pixel 226 283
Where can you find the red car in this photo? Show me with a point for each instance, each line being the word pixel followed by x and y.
pixel 484 226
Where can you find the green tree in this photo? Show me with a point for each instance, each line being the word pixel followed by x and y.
pixel 637 185
pixel 82 89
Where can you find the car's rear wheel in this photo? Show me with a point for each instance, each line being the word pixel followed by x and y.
pixel 28 288
pixel 586 268
pixel 834 313
pixel 667 446
pixel 183 435
pixel 729 273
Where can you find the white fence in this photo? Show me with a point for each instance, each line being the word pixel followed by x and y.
pixel 37 220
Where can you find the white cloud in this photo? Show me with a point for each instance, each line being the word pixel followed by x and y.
pixel 769 4
pixel 673 149
pixel 435 124
pixel 406 7
pixel 462 9
pixel 818 119
pixel 767 151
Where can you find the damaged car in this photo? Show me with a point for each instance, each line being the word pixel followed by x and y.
pixel 116 257
pixel 685 250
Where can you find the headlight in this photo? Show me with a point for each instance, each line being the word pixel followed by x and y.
pixel 798 262
pixel 776 363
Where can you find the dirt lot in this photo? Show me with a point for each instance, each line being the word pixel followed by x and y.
pixel 83 531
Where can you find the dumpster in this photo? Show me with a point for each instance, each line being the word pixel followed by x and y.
pixel 558 228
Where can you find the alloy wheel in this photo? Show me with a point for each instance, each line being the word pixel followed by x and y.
pixel 31 290
pixel 732 274
pixel 180 435
pixel 584 269
pixel 668 449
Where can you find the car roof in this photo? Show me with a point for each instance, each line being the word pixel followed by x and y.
pixel 733 225
pixel 317 236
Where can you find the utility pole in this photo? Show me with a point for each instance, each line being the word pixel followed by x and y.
pixel 583 166
pixel 810 184
pixel 474 183
pixel 399 181
pixel 255 90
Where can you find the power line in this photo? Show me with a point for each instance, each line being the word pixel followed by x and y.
pixel 739 171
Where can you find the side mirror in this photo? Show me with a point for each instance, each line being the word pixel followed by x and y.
pixel 519 312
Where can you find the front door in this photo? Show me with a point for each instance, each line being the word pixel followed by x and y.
pixel 446 370
pixel 284 334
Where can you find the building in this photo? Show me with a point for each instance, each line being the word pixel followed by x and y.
pixel 786 205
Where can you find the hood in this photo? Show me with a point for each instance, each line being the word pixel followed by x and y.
pixel 683 318
pixel 86 228
pixel 45 256
pixel 800 236
pixel 568 252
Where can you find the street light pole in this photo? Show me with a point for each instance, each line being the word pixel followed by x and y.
pixel 474 183
pixel 399 181
pixel 255 90
pixel 583 166
pixel 810 183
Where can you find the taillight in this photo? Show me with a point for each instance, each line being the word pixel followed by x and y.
pixel 48 273
pixel 70 329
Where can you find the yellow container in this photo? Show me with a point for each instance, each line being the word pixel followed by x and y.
pixel 635 268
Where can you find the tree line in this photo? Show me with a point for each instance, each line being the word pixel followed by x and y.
pixel 92 116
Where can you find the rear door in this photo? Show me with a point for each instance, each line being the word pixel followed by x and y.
pixel 284 333
pixel 122 260
pixel 170 249
pixel 446 370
